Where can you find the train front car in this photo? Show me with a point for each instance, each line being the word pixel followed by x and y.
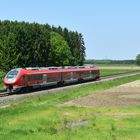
pixel 11 80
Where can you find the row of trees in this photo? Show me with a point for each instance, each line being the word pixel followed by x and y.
pixel 108 61
pixel 25 44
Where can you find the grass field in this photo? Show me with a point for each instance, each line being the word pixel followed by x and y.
pixel 105 72
pixel 46 117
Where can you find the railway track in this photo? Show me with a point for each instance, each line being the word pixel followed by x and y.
pixel 6 99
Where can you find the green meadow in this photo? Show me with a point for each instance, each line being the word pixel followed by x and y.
pixel 105 72
pixel 46 117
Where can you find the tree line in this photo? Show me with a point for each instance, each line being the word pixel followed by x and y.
pixel 24 44
pixel 108 61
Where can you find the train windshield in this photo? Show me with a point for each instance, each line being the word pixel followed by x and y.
pixel 13 73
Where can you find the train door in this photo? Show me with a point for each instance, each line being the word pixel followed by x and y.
pixel 23 80
pixel 71 77
pixel 90 74
pixel 44 78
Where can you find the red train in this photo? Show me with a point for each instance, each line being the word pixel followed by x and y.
pixel 27 78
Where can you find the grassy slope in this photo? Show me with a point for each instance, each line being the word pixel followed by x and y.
pixel 44 117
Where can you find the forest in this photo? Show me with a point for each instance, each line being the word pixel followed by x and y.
pixel 24 44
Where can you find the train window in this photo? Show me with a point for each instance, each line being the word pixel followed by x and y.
pixel 29 77
pixel 35 77
pixel 12 73
pixel 51 79
pixel 80 72
pixel 39 77
pixel 67 75
pixel 94 72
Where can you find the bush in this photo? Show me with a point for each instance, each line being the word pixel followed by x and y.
pixel 138 59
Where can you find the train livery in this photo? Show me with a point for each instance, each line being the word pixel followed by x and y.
pixel 20 79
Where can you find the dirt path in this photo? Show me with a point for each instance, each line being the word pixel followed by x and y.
pixel 121 96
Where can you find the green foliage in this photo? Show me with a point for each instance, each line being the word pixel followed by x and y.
pixel 76 43
pixel 25 44
pixel 59 51
pixel 2 74
pixel 138 60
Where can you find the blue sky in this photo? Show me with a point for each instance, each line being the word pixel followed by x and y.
pixel 111 28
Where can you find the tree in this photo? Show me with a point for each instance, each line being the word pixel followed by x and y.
pixel 59 51
pixel 138 59
pixel 8 52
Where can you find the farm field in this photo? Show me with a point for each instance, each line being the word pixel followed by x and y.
pixel 125 95
pixel 50 117
pixel 116 66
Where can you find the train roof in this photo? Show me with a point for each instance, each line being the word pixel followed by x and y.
pixel 53 69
